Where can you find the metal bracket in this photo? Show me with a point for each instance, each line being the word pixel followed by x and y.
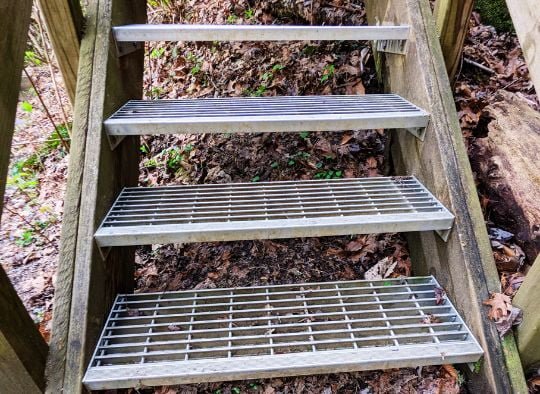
pixel 418 132
pixel 115 140
pixel 125 48
pixel 104 252
pixel 444 234
pixel 398 47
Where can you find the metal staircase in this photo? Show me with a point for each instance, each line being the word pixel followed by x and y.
pixel 278 330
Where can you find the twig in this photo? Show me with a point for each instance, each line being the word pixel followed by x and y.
pixel 64 143
pixel 480 66
pixel 40 231
pixel 53 74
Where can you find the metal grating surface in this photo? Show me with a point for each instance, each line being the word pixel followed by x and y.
pixel 281 330
pixel 265 114
pixel 179 32
pixel 241 211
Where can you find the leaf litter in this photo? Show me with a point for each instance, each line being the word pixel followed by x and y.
pixel 269 69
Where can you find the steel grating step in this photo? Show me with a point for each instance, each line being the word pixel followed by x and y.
pixel 266 114
pixel 243 211
pixel 281 330
pixel 185 32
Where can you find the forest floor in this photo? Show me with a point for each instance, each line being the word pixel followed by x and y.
pixel 31 221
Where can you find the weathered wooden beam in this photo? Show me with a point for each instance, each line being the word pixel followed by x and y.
pixel 528 333
pixel 463 265
pixel 63 19
pixel 89 283
pixel 526 18
pixel 452 19
pixel 22 349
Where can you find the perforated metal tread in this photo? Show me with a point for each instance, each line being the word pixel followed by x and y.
pixel 282 330
pixel 184 32
pixel 242 211
pixel 265 114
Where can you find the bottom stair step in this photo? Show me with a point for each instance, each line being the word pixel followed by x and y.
pixel 282 330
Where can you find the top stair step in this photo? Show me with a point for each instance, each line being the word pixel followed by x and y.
pixel 178 32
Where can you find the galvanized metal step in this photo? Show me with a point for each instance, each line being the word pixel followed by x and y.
pixel 266 114
pixel 184 32
pixel 242 211
pixel 281 330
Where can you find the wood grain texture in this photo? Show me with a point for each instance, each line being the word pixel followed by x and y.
pixel 96 282
pixel 452 18
pixel 506 164
pixel 70 219
pixel 528 333
pixel 63 20
pixel 22 349
pixel 526 18
pixel 463 265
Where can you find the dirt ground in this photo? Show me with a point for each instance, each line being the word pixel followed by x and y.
pixel 30 227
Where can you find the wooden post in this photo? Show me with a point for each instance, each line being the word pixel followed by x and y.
pixel 87 283
pixel 63 19
pixel 452 19
pixel 22 349
pixel 526 18
pixel 528 333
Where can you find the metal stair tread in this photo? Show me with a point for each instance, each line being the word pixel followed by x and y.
pixel 266 114
pixel 242 211
pixel 277 330
pixel 194 32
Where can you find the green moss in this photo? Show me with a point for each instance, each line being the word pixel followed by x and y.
pixel 495 13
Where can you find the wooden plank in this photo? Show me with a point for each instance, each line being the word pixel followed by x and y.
pixel 70 219
pixel 63 19
pixel 109 83
pixel 452 18
pixel 528 333
pixel 22 349
pixel 526 18
pixel 464 264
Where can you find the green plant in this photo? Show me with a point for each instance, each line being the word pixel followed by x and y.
pixel 232 19
pixel 277 67
pixel 144 149
pixel 156 53
pixel 26 106
pixel 31 58
pixel 195 69
pixel 236 390
pixel 150 163
pixel 249 13
pixel 274 164
pixel 328 72
pixel 188 148
pixel 304 135
pixel 26 238
pixel 329 174
pixel 256 178
pixel 174 158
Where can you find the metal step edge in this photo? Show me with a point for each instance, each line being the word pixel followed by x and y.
pixel 256 121
pixel 282 228
pixel 157 373
pixel 210 33
pixel 329 195
pixel 103 378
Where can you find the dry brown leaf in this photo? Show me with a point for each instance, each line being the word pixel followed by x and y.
pixel 500 304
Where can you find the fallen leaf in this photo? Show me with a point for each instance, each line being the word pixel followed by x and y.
pixel 383 269
pixel 500 305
